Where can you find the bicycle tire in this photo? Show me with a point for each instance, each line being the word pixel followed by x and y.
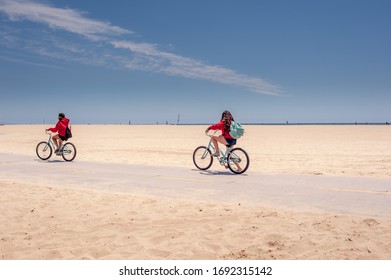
pixel 236 156
pixel 202 158
pixel 69 152
pixel 44 150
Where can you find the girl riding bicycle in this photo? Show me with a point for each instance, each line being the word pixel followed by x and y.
pixel 60 127
pixel 225 138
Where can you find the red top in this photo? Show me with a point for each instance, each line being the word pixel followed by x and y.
pixel 220 126
pixel 61 127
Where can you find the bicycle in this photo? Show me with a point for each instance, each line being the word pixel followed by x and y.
pixel 236 159
pixel 44 149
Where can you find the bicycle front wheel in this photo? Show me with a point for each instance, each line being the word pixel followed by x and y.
pixel 68 152
pixel 202 158
pixel 238 161
pixel 44 150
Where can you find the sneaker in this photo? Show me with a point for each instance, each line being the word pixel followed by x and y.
pixel 216 155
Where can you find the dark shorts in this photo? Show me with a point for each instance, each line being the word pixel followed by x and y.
pixel 231 142
pixel 63 138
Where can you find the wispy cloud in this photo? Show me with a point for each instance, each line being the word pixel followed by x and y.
pixel 66 19
pixel 141 56
pixel 150 58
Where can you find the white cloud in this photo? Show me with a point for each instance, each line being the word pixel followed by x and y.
pixel 150 58
pixel 144 56
pixel 66 19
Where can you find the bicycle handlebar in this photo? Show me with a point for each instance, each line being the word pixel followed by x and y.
pixel 210 135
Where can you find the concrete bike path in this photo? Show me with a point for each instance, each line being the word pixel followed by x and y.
pixel 340 195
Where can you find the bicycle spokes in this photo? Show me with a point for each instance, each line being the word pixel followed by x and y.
pixel 43 150
pixel 235 158
pixel 238 161
pixel 69 152
pixel 206 153
pixel 202 158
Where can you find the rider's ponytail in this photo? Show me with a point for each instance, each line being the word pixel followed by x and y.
pixel 226 118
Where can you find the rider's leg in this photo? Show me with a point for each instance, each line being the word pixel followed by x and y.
pixel 56 139
pixel 216 140
pixel 237 164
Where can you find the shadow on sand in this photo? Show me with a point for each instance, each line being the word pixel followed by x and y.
pixel 209 172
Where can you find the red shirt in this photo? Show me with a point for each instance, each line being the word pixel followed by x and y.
pixel 220 126
pixel 61 127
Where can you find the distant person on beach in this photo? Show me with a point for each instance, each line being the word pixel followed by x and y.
pixel 60 127
pixel 225 138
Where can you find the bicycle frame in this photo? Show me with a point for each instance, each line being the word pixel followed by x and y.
pixel 51 143
pixel 223 159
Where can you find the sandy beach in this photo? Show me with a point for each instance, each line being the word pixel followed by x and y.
pixel 40 221
pixel 363 151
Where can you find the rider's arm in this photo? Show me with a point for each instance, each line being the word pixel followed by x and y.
pixel 217 126
pixel 55 129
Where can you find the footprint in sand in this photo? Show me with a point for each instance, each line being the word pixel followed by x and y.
pixel 370 222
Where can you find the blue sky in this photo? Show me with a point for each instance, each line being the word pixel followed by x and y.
pixel 147 61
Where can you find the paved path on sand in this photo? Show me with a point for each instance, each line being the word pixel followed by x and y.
pixel 341 195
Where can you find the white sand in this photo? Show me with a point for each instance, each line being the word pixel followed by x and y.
pixel 37 222
pixel 360 150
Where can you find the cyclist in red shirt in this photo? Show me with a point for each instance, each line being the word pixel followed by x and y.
pixel 60 127
pixel 225 138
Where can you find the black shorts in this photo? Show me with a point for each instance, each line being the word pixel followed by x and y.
pixel 231 142
pixel 63 138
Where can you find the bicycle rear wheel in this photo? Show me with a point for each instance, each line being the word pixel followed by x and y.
pixel 202 158
pixel 238 161
pixel 68 152
pixel 44 150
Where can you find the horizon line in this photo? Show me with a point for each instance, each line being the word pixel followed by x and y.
pixel 243 123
